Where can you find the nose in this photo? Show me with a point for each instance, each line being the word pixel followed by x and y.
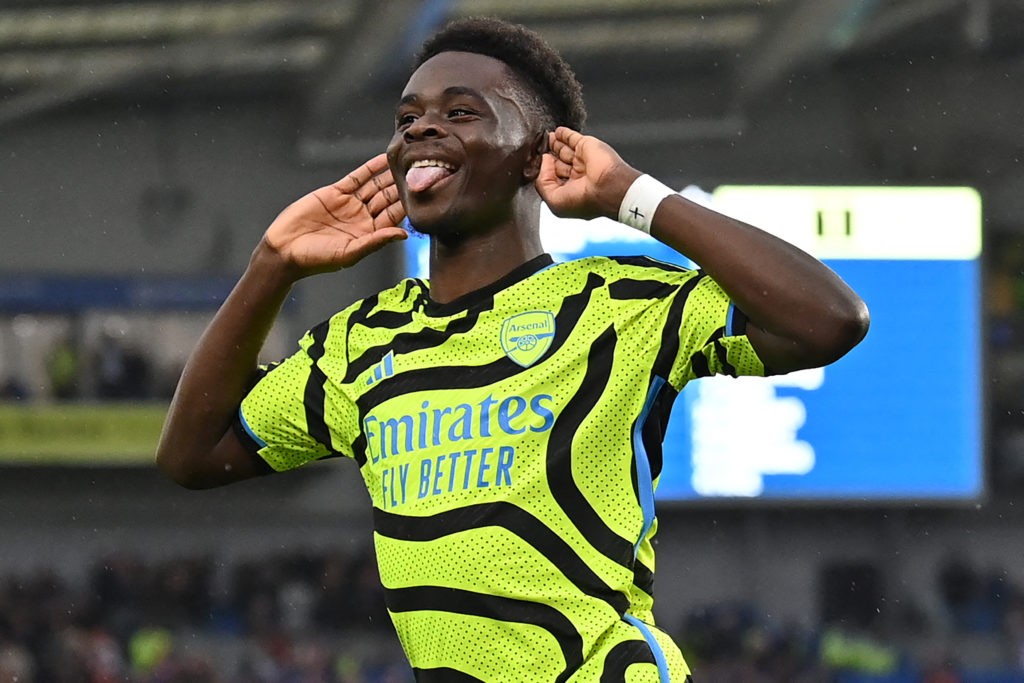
pixel 426 126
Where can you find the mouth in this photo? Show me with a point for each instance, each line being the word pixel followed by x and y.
pixel 425 174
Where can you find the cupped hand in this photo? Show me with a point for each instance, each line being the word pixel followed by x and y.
pixel 337 225
pixel 582 176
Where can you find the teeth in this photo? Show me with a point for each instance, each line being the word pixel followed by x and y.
pixel 433 162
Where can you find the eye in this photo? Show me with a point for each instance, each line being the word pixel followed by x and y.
pixel 461 113
pixel 403 120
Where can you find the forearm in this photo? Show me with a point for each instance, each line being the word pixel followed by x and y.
pixel 218 372
pixel 801 313
pixel 806 315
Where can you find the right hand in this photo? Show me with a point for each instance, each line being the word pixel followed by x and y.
pixel 337 225
pixel 582 176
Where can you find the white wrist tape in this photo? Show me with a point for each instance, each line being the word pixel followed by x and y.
pixel 641 200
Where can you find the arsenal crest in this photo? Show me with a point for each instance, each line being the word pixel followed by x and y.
pixel 526 337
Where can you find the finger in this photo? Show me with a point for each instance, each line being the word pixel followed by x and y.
pixel 564 151
pixel 566 154
pixel 568 136
pixel 359 177
pixel 547 167
pixel 364 245
pixel 383 199
pixel 390 233
pixel 560 170
pixel 391 216
pixel 563 169
pixel 547 180
pixel 375 184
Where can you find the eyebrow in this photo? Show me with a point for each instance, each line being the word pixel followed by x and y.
pixel 448 92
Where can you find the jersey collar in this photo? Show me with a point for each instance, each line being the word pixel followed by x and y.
pixel 467 301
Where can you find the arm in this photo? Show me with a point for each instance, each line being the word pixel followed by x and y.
pixel 330 228
pixel 801 314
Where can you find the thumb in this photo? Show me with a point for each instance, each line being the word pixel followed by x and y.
pixel 547 181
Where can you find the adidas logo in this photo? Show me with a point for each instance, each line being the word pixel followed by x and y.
pixel 382 370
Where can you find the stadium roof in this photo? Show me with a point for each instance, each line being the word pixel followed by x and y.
pixel 57 51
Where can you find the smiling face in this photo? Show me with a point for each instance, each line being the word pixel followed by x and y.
pixel 464 147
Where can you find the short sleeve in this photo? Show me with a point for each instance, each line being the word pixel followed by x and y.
pixel 292 413
pixel 712 335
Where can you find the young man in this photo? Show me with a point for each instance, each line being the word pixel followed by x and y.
pixel 506 416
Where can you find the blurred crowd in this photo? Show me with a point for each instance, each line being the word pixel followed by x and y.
pixel 115 371
pixel 300 618
pixel 977 636
pixel 320 618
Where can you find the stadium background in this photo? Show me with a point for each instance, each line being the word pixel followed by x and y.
pixel 145 146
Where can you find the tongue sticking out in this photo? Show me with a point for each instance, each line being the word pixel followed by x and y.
pixel 423 177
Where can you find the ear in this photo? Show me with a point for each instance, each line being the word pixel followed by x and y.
pixel 536 149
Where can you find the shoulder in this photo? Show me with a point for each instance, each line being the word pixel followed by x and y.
pixel 637 278
pixel 372 311
pixel 627 267
pixel 399 298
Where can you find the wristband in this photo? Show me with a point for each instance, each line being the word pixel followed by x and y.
pixel 641 201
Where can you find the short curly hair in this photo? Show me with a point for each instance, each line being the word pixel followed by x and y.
pixel 548 79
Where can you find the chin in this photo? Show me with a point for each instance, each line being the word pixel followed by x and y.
pixel 433 225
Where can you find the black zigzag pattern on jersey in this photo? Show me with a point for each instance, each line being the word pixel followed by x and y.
pixel 513 518
pixel 640 289
pixel 411 341
pixel 315 393
pixel 624 655
pixel 456 601
pixel 391 320
pixel 668 348
pixel 643 577
pixel 648 262
pixel 455 377
pixel 443 675
pixel 388 320
pixel 359 449
pixel 559 461
pixel 723 353
pixel 425 379
pixel 409 285
pixel 361 313
pixel 653 430
pixel 359 316
pixel 467 377
pixel 571 310
pixel 700 364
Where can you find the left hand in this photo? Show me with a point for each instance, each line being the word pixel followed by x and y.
pixel 339 224
pixel 582 176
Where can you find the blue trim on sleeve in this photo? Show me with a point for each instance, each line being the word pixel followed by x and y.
pixel 729 318
pixel 248 430
pixel 644 481
pixel 659 654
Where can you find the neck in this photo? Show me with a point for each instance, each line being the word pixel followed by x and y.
pixel 461 266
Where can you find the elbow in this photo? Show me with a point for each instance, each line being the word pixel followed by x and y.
pixel 846 331
pixel 175 469
pixel 856 324
pixel 814 340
